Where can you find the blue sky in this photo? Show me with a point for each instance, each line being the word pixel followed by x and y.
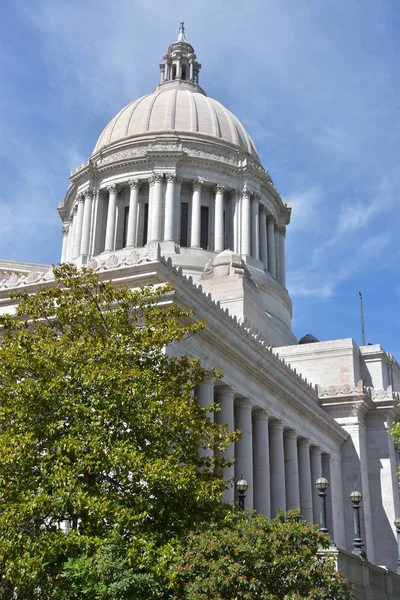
pixel 314 81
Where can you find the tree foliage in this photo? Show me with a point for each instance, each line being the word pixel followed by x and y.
pixel 99 434
pixel 254 557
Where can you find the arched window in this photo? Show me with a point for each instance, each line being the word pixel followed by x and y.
pixel 173 71
pixel 184 72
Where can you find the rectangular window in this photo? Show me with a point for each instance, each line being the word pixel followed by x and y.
pixel 184 224
pixel 145 223
pixel 204 227
pixel 126 216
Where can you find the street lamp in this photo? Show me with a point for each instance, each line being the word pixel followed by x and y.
pixel 358 546
pixel 397 525
pixel 322 485
pixel 241 487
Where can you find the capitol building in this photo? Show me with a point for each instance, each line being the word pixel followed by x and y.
pixel 174 191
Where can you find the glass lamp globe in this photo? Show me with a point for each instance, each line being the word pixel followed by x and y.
pixel 397 523
pixel 322 484
pixel 242 486
pixel 355 497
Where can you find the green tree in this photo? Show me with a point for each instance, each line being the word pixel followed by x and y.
pixel 99 435
pixel 254 557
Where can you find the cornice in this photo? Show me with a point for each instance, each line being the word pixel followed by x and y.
pixel 183 151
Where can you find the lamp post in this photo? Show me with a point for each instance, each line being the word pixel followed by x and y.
pixel 322 485
pixel 397 525
pixel 241 487
pixel 358 545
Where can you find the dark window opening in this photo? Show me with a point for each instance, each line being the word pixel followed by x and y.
pixel 145 223
pixel 126 217
pixel 184 224
pixel 204 227
pixel 184 71
pixel 173 71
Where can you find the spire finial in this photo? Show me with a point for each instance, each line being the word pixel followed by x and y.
pixel 181 35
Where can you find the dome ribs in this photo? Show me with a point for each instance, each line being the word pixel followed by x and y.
pixel 147 116
pixel 194 116
pixel 166 111
pixel 171 111
pixel 128 125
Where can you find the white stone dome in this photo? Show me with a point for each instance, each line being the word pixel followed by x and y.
pixel 169 110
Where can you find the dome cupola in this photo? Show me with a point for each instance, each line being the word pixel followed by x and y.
pixel 180 65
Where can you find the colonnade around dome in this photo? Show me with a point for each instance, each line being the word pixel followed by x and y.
pixel 190 214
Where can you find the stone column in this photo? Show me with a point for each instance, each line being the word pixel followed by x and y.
pixel 134 185
pixel 64 250
pixel 87 221
pixel 196 215
pixel 335 494
pixel 291 470
pixel 111 217
pixel 155 201
pixel 219 242
pixel 178 186
pixel 303 447
pixel 244 447
pixel 255 227
pixel 170 208
pixel 226 416
pixel 316 473
pixel 71 233
pixel 263 237
pixel 277 467
pixel 78 226
pixel 271 245
pixel 262 498
pixel 277 248
pixel 236 221
pixel 205 397
pixel 282 258
pixel 246 237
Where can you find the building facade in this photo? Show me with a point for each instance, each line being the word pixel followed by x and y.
pixel 174 191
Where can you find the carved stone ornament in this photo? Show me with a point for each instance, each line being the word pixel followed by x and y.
pixel 219 188
pixel 271 219
pixel 246 193
pixel 65 228
pixel 224 264
pixel 89 194
pixel 196 184
pixel 80 198
pixel 134 184
pixel 210 156
pixel 124 155
pixel 156 178
pixel 171 177
pixel 112 188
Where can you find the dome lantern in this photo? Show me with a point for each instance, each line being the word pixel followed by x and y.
pixel 180 63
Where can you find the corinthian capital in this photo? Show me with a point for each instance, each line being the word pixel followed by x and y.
pixel 219 188
pixel 246 193
pixel 271 219
pixel 88 194
pixel 134 184
pixel 113 188
pixel 170 177
pixel 80 197
pixel 196 184
pixel 281 229
pixel 156 178
pixel 65 228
